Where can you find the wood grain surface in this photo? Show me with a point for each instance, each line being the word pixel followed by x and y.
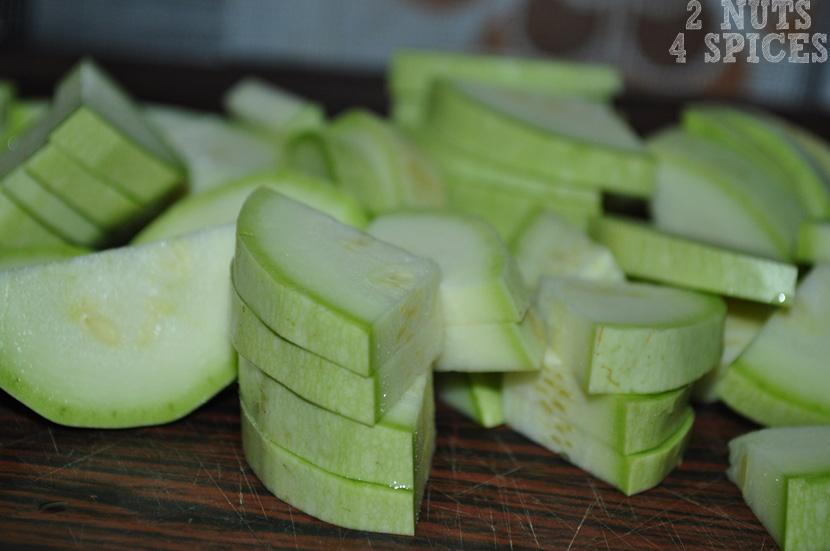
pixel 187 486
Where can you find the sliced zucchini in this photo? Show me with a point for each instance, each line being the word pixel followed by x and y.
pixel 814 242
pixel 326 384
pixel 744 321
pixel 50 211
pixel 221 205
pixel 98 201
pixel 627 423
pixel 550 246
pixel 18 258
pixel 214 151
pixel 22 115
pixel 94 121
pixel 480 282
pixel 380 166
pixel 18 229
pixel 123 338
pixel 707 193
pixel 765 141
pixel 476 395
pixel 332 498
pixel 631 474
pixel 648 253
pixel 265 106
pixel 632 337
pixel 787 362
pixel 493 347
pixel 784 476
pixel 308 153
pixel 327 287
pixel 413 72
pixel 503 196
pixel 568 139
pixel 382 454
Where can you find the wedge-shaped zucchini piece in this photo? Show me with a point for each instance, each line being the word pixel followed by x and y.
pixel 569 139
pixel 493 347
pixel 380 166
pixel 766 141
pixel 214 151
pixel 814 242
pixel 631 474
pixel 327 287
pixel 645 252
pixel 627 423
pixel 95 122
pixel 269 108
pixel 50 211
pixel 480 282
pixel 385 453
pixel 332 498
pixel 787 362
pixel 504 196
pixel 221 205
pixel 98 201
pixel 476 395
pixel 308 153
pixel 18 229
pixel 548 245
pixel 784 476
pixel 364 399
pixel 744 321
pixel 413 72
pixel 18 258
pixel 124 338
pixel 632 337
pixel 708 193
pixel 22 115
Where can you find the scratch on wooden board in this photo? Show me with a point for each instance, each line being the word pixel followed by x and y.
pixel 79 460
pixel 581 522
pixel 251 487
pixel 241 517
pixel 52 437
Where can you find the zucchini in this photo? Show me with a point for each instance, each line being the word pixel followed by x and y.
pixel 385 453
pixel 221 205
pixel 476 395
pixel 123 338
pixel 548 245
pixel 710 194
pixel 480 282
pixel 782 377
pixel 567 139
pixel 326 384
pixel 784 476
pixel 645 252
pixel 327 287
pixel 271 109
pixel 632 337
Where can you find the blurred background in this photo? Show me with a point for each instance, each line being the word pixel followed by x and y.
pixel 302 43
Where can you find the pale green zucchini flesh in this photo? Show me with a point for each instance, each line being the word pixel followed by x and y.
pixel 645 252
pixel 632 338
pixel 327 287
pixel 784 476
pixel 787 362
pixel 123 338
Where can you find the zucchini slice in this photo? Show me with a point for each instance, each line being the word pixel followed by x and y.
pixel 326 384
pixel 480 282
pixel 123 338
pixel 330 497
pixel 648 253
pixel 385 453
pixel 476 395
pixel 632 338
pixel 784 476
pixel 327 287
pixel 787 362
pixel 569 139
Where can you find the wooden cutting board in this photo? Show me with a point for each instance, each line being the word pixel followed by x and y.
pixel 187 486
